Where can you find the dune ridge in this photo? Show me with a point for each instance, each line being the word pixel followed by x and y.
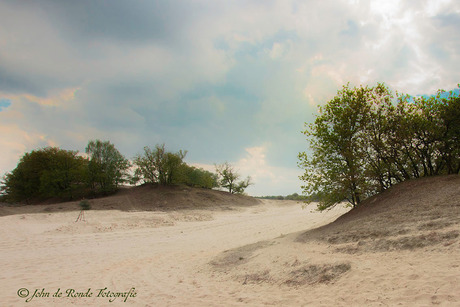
pixel 148 197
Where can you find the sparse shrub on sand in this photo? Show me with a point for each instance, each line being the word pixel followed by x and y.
pixel 85 205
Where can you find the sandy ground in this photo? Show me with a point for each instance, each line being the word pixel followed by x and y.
pixel 163 255
pixel 246 256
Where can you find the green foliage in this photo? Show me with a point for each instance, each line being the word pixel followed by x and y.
pixel 242 185
pixel 336 170
pixel 362 144
pixel 45 173
pixel 197 177
pixel 278 197
pixel 66 176
pixel 228 177
pixel 450 134
pixel 85 205
pixel 159 166
pixel 107 168
pixel 294 196
pixel 62 174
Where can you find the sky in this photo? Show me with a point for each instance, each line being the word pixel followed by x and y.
pixel 225 80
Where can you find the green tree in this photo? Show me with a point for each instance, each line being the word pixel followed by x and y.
pixel 158 165
pixel 363 142
pixel 242 185
pixel 228 178
pixel 44 173
pixel 423 137
pixel 337 168
pixel 107 168
pixel 450 134
pixel 66 176
pixel 197 177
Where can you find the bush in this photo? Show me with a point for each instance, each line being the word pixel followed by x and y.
pixel 46 173
pixel 196 177
pixel 85 205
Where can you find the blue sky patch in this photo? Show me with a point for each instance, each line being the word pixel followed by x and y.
pixel 4 103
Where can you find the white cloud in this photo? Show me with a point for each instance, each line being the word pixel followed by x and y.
pixel 267 179
pixel 15 142
pixel 277 51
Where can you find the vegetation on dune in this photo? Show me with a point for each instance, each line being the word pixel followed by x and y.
pixel 166 168
pixel 52 172
pixel 197 177
pixel 107 167
pixel 228 178
pixel 294 196
pixel 158 165
pixel 85 205
pixel 45 173
pixel 364 141
pixel 65 175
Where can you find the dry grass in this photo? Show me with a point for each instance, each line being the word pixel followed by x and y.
pixel 317 274
pixel 305 274
pixel 231 258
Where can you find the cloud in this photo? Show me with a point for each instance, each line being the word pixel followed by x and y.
pixel 267 179
pixel 214 78
pixel 15 142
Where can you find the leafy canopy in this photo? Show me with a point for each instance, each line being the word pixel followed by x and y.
pixel 363 141
pixel 45 173
pixel 107 168
pixel 158 165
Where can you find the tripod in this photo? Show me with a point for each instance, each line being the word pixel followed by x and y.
pixel 81 216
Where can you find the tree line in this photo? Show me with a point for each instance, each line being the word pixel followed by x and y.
pixel 52 172
pixel 367 139
pixel 294 196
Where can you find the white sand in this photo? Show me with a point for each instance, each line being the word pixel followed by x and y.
pixel 166 258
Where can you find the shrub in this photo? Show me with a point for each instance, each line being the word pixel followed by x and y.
pixel 85 205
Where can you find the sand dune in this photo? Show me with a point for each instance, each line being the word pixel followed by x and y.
pixel 244 255
pixel 399 248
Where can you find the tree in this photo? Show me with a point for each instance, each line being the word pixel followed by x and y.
pixel 363 142
pixel 108 168
pixel 423 137
pixel 66 177
pixel 228 179
pixel 450 135
pixel 45 173
pixel 159 166
pixel 196 177
pixel 242 185
pixel 337 169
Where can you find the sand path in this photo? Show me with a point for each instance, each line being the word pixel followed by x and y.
pixel 163 256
